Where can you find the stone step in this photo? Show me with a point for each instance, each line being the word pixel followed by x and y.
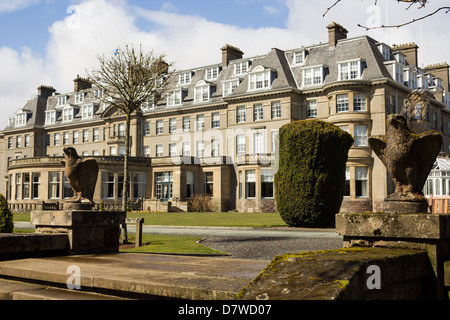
pixel 15 290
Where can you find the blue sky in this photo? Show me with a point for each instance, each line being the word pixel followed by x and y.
pixel 51 41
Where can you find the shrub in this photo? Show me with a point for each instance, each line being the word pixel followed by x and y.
pixel 6 217
pixel 101 206
pixel 201 203
pixel 311 175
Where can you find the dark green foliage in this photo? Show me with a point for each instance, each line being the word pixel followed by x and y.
pixel 311 176
pixel 6 217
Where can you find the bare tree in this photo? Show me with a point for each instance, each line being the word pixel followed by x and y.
pixel 421 4
pixel 131 79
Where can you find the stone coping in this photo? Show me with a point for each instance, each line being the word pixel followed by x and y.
pixel 70 218
pixel 385 225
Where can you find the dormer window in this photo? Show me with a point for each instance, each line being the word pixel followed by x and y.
pixel 400 57
pixel 385 51
pixel 87 112
pixel 21 118
pixel 202 92
pixel 176 98
pixel 79 97
pixel 313 76
pixel 50 117
pixel 62 100
pixel 212 73
pixel 299 58
pixel 185 78
pixel 396 70
pixel 67 114
pixel 241 67
pixel 98 93
pixel 261 78
pixel 351 70
pixel 229 86
pixel 410 78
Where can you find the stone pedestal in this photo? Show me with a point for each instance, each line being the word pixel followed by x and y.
pixel 88 231
pixel 430 232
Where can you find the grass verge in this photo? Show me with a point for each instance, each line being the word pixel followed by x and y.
pixel 171 244
pixel 210 219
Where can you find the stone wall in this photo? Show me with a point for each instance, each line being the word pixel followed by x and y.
pixel 345 274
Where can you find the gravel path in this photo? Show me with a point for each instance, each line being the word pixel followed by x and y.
pixel 266 248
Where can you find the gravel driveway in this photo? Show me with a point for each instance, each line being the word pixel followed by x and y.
pixel 266 248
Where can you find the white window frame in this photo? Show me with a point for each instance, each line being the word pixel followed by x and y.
pixel 359 102
pixel 62 100
pixel 215 120
pixel 311 109
pixel 79 97
pixel 172 125
pixel 212 73
pixel 241 67
pixel 258 143
pixel 200 122
pixel 184 78
pixel 202 93
pixel 299 58
pixel 215 148
pixel 50 117
pixel 200 149
pixel 67 114
pixel 147 151
pixel 87 112
pixel 186 149
pixel 240 114
pixel 175 98
pixel 159 150
pixel 173 150
pixel 229 86
pixel 313 76
pixel 186 124
pixel 240 144
pixel 21 119
pixel 258 112
pixel 360 135
pixel 362 175
pixel 350 70
pixel 260 79
pixel 340 103
pixel 275 110
pixel 159 127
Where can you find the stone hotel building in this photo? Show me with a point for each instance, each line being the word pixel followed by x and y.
pixel 216 133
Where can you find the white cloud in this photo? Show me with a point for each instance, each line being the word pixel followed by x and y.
pixel 271 10
pixel 10 6
pixel 94 27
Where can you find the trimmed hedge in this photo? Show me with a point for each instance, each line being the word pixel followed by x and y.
pixel 311 172
pixel 6 218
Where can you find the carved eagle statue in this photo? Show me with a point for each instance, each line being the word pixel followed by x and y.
pixel 82 175
pixel 408 156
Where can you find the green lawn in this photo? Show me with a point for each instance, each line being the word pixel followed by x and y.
pixel 171 244
pixel 216 219
pixel 213 219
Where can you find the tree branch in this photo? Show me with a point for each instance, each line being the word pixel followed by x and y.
pixel 407 23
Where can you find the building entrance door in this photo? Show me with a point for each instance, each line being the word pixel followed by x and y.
pixel 164 185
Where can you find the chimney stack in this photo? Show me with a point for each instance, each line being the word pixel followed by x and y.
pixel 410 52
pixel 230 53
pixel 81 84
pixel 336 32
pixel 45 91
